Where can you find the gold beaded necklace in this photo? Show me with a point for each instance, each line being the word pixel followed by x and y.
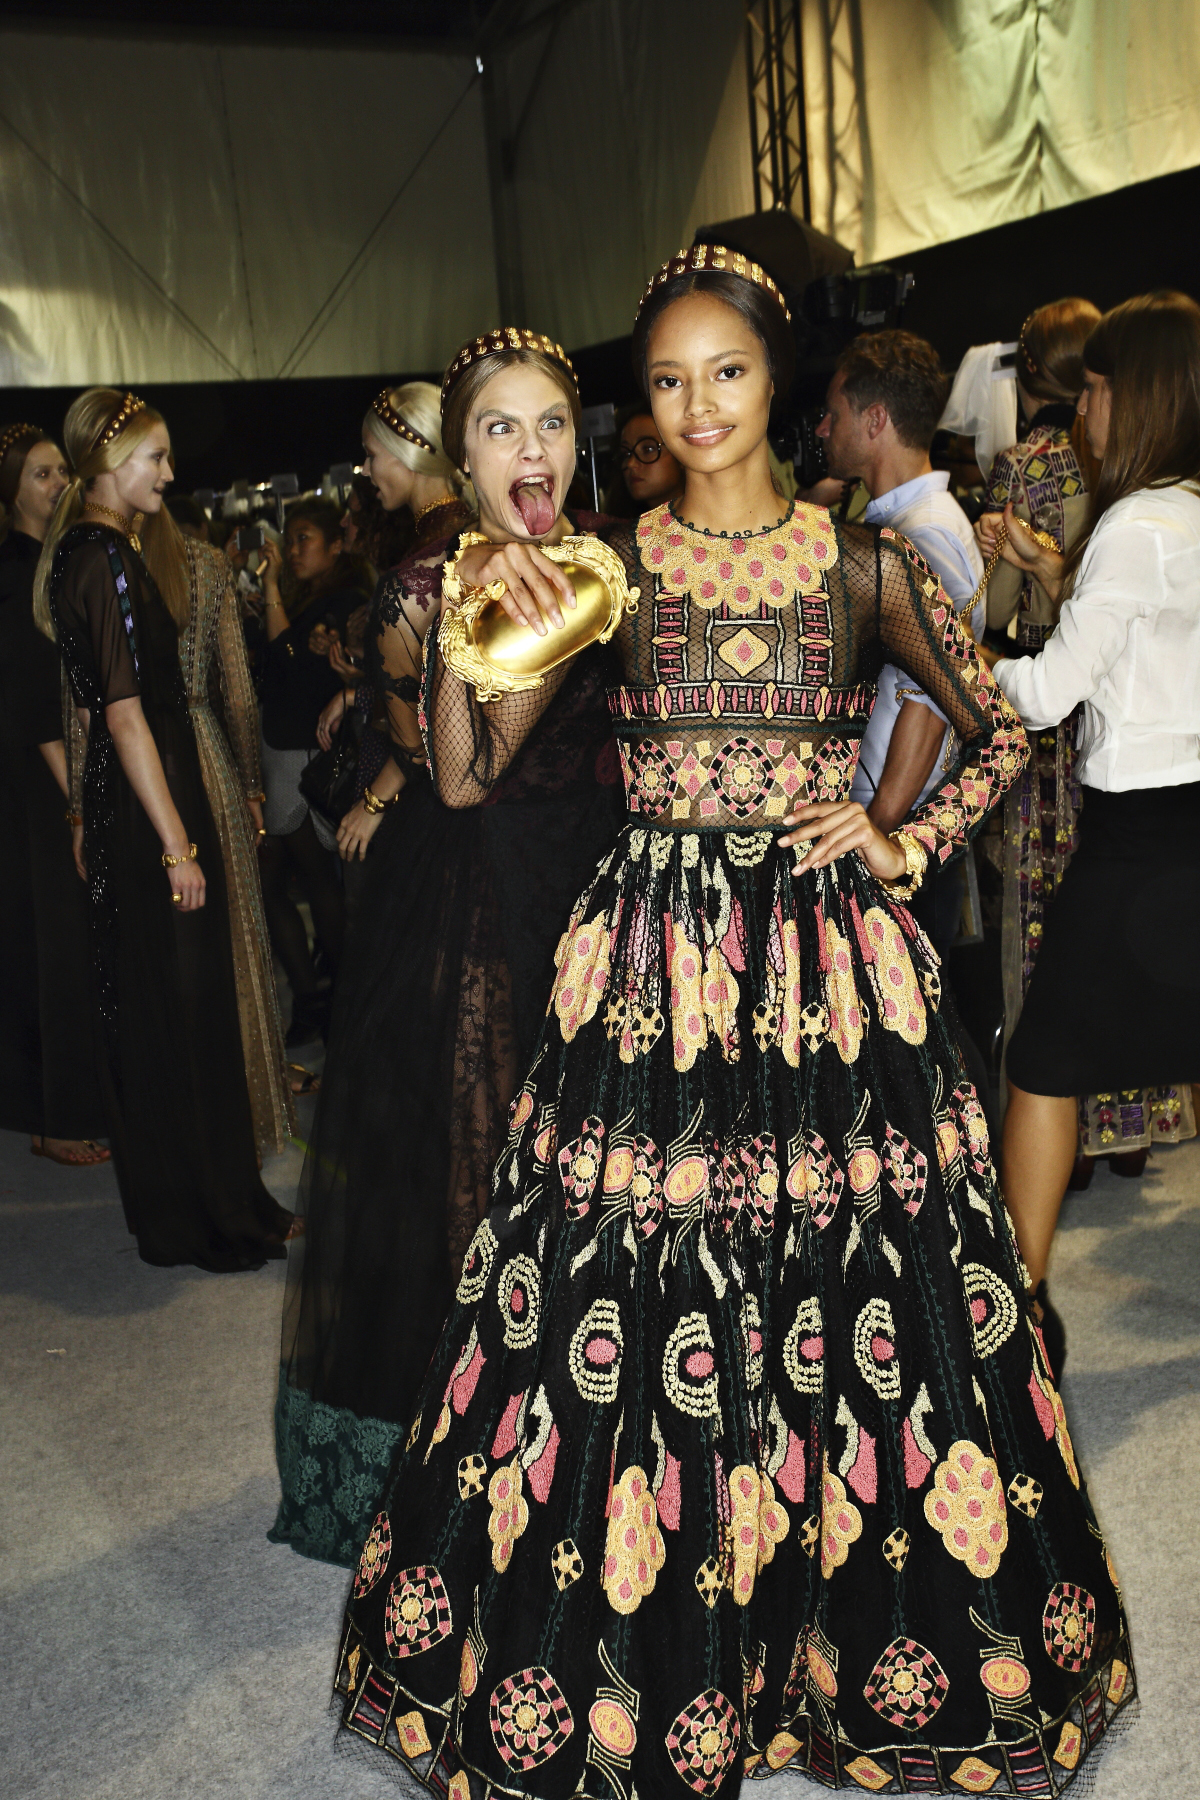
pixel 123 525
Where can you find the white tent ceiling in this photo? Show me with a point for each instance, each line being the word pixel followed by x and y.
pixel 197 210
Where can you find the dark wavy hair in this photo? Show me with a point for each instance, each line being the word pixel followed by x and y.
pixel 349 571
pixel 1149 349
pixel 760 310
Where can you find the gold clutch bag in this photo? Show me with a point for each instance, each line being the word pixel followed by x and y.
pixel 482 645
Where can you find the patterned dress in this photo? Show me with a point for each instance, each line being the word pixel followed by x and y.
pixel 213 653
pixel 1045 482
pixel 739 1453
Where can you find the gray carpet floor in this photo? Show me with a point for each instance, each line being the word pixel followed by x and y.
pixel 155 1644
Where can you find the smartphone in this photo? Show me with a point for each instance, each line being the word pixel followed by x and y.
pixel 250 537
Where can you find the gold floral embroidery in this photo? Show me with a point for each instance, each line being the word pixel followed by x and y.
pixel 966 1507
pixel 721 994
pixel 900 1004
pixel 510 1512
pixel 757 1524
pixel 688 1028
pixel 634 1552
pixel 582 959
pixel 769 568
pixel 841 1522
pixel 847 1015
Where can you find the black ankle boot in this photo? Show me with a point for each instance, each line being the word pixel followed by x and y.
pixel 1054 1334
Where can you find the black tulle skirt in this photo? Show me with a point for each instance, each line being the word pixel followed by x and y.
pixel 449 954
pixel 739 1452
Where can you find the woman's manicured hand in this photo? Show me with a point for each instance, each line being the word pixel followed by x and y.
pixel 536 589
pixel 830 828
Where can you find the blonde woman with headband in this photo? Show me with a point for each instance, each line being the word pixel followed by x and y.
pixel 49 1082
pixel 405 462
pixel 448 959
pixel 111 589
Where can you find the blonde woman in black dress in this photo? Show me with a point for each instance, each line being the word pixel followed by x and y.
pixel 172 1071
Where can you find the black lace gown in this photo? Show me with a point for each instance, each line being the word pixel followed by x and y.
pixel 739 1456
pixel 438 1005
pixel 172 1073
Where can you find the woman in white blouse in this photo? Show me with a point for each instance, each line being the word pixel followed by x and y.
pixel 1114 1001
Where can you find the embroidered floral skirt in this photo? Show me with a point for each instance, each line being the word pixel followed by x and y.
pixel 739 1454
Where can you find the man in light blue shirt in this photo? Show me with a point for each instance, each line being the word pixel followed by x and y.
pixel 881 411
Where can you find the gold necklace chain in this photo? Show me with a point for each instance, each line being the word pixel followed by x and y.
pixel 447 500
pixel 123 525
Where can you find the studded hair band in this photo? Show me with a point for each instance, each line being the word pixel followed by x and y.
pixel 16 432
pixel 392 419
pixel 714 256
pixel 509 338
pixel 129 406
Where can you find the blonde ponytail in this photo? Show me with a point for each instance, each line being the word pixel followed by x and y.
pixel 67 511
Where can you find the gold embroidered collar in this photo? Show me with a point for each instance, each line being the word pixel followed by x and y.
pixel 741 573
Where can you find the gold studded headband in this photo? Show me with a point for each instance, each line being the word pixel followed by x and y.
pixel 391 418
pixel 129 406
pixel 509 338
pixel 714 256
pixel 15 433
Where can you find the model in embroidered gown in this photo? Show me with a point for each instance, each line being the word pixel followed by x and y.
pixel 739 1454
pixel 449 959
pixel 213 653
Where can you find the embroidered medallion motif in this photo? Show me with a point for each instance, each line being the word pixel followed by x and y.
pixel 740 573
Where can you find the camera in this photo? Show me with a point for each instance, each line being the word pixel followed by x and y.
pixel 250 537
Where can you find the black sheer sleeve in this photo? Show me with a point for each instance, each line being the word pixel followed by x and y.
pixel 920 631
pixel 90 589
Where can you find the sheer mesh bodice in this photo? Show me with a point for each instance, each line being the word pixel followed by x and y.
pixel 749 677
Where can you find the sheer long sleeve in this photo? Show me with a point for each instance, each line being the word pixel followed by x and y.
pixel 241 709
pixel 472 745
pixel 920 632
pixel 100 599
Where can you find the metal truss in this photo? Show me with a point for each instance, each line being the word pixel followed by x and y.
pixel 778 131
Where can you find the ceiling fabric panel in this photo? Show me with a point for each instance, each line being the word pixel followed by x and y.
pixel 933 119
pixel 197 231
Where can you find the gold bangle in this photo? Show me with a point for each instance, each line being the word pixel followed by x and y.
pixel 73 819
pixel 916 859
pixel 257 795
pixel 453 590
pixel 374 804
pixel 173 862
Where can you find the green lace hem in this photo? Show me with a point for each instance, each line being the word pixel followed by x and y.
pixel 332 1470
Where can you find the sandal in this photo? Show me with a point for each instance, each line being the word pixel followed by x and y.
pixel 87 1156
pixel 308 1083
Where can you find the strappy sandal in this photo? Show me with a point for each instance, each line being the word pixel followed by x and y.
pixel 89 1156
pixel 310 1083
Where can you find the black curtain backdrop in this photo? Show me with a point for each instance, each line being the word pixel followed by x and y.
pixel 971 291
